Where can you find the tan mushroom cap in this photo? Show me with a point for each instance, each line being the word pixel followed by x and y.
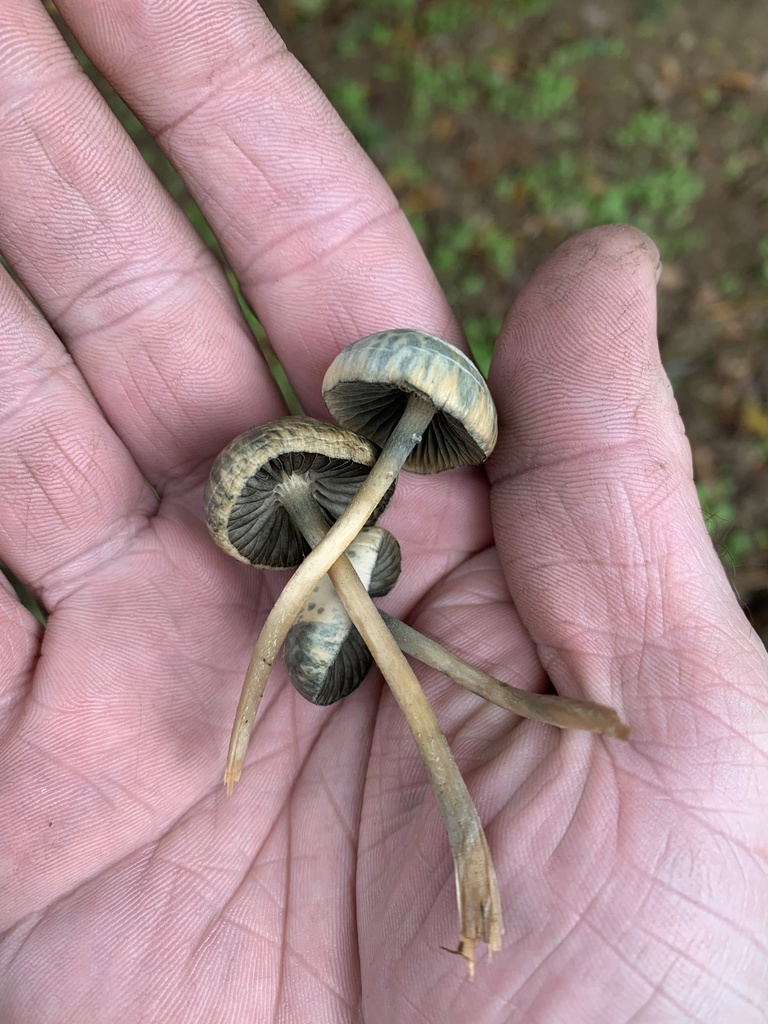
pixel 242 496
pixel 367 385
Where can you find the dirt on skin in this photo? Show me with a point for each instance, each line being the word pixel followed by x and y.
pixel 706 65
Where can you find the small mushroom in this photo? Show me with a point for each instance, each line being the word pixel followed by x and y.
pixel 261 481
pixel 422 400
pixel 266 490
pixel 325 656
pixel 236 478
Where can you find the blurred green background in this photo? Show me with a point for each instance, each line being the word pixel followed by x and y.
pixel 504 126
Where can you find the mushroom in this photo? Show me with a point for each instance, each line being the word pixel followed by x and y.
pixel 260 483
pixel 258 494
pixel 422 400
pixel 325 656
pixel 429 406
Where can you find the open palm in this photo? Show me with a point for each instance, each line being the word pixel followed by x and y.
pixel 633 876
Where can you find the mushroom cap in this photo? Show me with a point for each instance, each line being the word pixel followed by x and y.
pixel 243 503
pixel 367 385
pixel 325 656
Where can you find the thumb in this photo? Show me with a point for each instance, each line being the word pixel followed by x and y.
pixel 595 512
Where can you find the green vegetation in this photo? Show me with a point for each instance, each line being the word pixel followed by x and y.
pixel 720 514
pixel 467 102
pixel 24 594
pixel 658 196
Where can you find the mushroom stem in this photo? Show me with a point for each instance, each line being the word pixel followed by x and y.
pixel 405 436
pixel 563 712
pixel 476 887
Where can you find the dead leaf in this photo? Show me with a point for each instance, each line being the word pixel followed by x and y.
pixel 739 81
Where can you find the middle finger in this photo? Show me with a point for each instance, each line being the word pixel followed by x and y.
pixel 317 240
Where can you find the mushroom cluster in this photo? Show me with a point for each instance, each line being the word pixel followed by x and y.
pixel 305 494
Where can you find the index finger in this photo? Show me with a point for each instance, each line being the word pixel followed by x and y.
pixel 314 234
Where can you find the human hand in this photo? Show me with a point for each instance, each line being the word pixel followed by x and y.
pixel 633 876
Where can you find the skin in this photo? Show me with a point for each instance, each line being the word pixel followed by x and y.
pixel 633 875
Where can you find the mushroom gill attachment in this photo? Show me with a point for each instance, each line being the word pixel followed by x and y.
pixel 254 479
pixel 430 409
pixel 325 656
pixel 368 384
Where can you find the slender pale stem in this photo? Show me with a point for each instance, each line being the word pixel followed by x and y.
pixel 476 887
pixel 564 712
pixel 403 439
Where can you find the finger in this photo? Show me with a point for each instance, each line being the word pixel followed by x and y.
pixel 72 495
pixel 125 280
pixel 593 502
pixel 315 236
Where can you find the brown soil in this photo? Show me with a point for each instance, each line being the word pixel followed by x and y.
pixel 705 64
